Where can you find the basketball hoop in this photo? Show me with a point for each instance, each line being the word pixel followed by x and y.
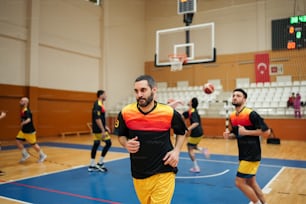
pixel 176 61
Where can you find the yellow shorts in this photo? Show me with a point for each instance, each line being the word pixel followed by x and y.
pixel 29 137
pixel 247 169
pixel 98 136
pixel 155 189
pixel 194 140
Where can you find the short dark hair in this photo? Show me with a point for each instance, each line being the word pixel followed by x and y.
pixel 194 102
pixel 99 93
pixel 148 78
pixel 242 91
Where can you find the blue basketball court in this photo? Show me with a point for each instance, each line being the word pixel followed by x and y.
pixel 215 183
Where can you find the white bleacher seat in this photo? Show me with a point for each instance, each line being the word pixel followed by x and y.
pixel 262 111
pixel 296 83
pixel 242 82
pixel 274 84
pixel 289 111
pixel 303 83
pixel 274 104
pixel 280 111
pixel 288 83
pixel 266 104
pixel 295 89
pixel 257 104
pixel 253 85
pixel 267 84
pixel 270 111
pixel 259 84
pixel 281 83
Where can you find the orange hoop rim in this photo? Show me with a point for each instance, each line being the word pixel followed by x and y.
pixel 181 57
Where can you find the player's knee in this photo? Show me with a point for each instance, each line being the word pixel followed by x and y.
pixel 96 143
pixel 108 143
pixel 239 183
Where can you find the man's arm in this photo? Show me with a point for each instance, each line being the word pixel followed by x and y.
pixel 172 157
pixel 100 125
pixel 132 145
pixel 257 132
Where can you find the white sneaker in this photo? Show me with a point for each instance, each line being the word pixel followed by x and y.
pixel 42 158
pixel 206 153
pixel 24 157
pixel 195 169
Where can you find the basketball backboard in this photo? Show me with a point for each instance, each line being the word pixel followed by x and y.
pixel 196 41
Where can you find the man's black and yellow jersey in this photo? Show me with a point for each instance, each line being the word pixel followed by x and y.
pixel 249 146
pixel 153 132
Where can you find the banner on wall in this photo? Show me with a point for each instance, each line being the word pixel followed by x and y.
pixel 262 65
pixel 276 69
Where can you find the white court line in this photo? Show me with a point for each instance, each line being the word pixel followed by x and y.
pixel 19 201
pixel 205 176
pixel 235 162
pixel 267 189
pixel 59 171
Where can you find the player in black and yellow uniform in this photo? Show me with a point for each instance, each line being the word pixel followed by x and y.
pixel 27 132
pixel 247 126
pixel 143 128
pixel 100 133
pixel 196 133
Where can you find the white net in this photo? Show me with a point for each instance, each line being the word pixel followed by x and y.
pixel 176 62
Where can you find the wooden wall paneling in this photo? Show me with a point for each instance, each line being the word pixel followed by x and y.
pixel 53 111
pixel 63 111
pixel 9 101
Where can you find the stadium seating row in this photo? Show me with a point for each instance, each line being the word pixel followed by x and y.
pixel 269 99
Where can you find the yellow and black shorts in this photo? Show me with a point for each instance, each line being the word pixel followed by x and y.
pixel 29 137
pixel 155 189
pixel 194 141
pixel 247 169
pixel 98 136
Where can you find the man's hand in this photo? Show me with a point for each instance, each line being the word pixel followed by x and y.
pixel 226 134
pixel 242 131
pixel 171 158
pixel 132 145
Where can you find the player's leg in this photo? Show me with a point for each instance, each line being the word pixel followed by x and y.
pixel 246 171
pixel 94 148
pixel 108 144
pixel 164 188
pixel 31 139
pixel 248 191
pixel 191 147
pixel 253 183
pixel 203 150
pixel 19 142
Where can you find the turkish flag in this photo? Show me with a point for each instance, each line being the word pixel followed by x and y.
pixel 262 63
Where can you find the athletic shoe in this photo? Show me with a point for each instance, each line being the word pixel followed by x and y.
pixel 24 157
pixel 92 168
pixel 195 169
pixel 42 158
pixel 206 153
pixel 101 167
pixel 1 173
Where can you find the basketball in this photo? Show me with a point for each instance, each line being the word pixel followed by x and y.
pixel 208 88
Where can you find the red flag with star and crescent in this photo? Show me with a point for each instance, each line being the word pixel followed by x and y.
pixel 262 64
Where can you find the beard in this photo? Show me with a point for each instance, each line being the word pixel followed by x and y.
pixel 143 102
pixel 236 104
